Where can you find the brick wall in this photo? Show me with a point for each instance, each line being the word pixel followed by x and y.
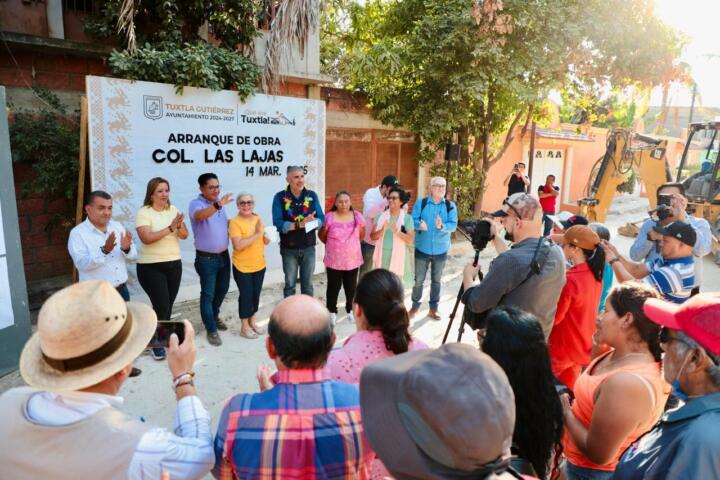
pixel 44 248
pixel 61 72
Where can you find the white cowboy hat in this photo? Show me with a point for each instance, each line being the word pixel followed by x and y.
pixel 86 333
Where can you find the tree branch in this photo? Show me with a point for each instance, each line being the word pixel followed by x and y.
pixel 508 140
pixel 531 109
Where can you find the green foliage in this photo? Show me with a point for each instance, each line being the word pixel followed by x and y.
pixel 628 186
pixel 196 64
pixel 172 50
pixel 616 109
pixel 232 22
pixel 49 141
pixel 473 68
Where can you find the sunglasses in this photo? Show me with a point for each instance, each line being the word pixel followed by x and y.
pixel 243 203
pixel 517 214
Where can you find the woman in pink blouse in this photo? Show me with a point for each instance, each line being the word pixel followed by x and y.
pixel 382 327
pixel 342 232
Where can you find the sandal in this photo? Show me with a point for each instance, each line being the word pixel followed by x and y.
pixel 250 335
pixel 258 330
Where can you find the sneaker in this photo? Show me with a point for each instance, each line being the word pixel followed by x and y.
pixel 333 318
pixel 214 339
pixel 221 325
pixel 413 311
pixel 158 353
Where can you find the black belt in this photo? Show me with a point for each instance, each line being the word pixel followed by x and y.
pixel 200 253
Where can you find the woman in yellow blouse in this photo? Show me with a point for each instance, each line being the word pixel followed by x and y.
pixel 159 268
pixel 247 234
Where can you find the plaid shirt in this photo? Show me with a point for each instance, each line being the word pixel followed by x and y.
pixel 306 426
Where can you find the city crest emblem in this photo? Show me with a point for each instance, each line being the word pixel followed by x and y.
pixel 152 107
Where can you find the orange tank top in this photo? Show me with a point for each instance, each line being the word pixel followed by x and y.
pixel 584 405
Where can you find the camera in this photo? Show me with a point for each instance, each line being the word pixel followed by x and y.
pixel 663 210
pixel 480 233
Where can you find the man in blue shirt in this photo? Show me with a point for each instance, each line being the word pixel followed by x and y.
pixel 646 246
pixel 435 219
pixel 685 442
pixel 297 214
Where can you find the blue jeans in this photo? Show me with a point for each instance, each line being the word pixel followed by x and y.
pixel 214 272
pixel 123 291
pixel 249 286
pixel 292 260
pixel 573 472
pixel 422 262
pixel 547 224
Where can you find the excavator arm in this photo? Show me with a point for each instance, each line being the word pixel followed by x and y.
pixel 625 151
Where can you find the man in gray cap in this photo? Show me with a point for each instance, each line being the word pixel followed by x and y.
pixel 445 413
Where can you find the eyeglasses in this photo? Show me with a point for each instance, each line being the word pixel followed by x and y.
pixel 213 187
pixel 436 185
pixel 243 203
pixel 517 214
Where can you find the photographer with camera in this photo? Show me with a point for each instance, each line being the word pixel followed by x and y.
pixel 671 207
pixel 517 181
pixel 529 275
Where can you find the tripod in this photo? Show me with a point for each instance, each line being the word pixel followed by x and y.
pixel 457 304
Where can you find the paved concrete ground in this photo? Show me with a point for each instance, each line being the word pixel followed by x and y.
pixel 231 368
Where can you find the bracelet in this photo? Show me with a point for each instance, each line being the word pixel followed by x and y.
pixel 170 228
pixel 183 383
pixel 191 373
pixel 105 252
pixel 184 379
pixel 616 259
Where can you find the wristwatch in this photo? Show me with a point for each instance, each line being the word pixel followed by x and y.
pixel 105 252
pixel 616 259
pixel 217 206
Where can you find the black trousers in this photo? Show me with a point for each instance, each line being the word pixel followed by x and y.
pixel 161 282
pixel 341 278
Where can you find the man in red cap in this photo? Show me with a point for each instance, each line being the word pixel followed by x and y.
pixel 685 443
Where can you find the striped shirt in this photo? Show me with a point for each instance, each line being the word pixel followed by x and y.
pixel 306 426
pixel 674 279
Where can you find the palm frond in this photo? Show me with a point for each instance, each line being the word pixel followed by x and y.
pixel 294 21
pixel 126 22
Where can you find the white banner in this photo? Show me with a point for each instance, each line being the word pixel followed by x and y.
pixel 140 130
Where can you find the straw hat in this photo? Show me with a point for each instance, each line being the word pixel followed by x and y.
pixel 86 333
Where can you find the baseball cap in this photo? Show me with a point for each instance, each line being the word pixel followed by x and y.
pixel 522 203
pixel 697 318
pixel 581 236
pixel 389 181
pixel 680 230
pixel 427 411
pixel 574 220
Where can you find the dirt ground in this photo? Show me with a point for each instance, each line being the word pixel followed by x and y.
pixel 230 369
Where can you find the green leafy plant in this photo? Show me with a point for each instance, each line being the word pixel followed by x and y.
pixel 198 43
pixel 197 64
pixel 48 140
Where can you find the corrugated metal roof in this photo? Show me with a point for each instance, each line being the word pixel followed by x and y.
pixel 563 135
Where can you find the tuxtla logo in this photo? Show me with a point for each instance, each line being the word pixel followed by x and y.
pixel 152 107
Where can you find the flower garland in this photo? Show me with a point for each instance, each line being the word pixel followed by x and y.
pixel 288 202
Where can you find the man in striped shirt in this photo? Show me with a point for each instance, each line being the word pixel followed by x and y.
pixel 305 425
pixel 673 273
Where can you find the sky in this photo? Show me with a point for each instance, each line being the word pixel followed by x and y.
pixel 700 21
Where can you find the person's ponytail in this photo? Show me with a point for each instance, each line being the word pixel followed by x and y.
pixel 380 294
pixel 596 261
pixel 395 328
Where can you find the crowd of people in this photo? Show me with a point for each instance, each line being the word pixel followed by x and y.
pixel 589 366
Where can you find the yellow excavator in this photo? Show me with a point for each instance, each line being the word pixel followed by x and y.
pixel 626 151
pixel 645 155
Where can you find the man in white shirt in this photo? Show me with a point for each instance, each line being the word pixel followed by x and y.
pixel 68 424
pixel 99 246
pixel 374 202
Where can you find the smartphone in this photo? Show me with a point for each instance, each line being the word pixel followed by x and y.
pixel 164 329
